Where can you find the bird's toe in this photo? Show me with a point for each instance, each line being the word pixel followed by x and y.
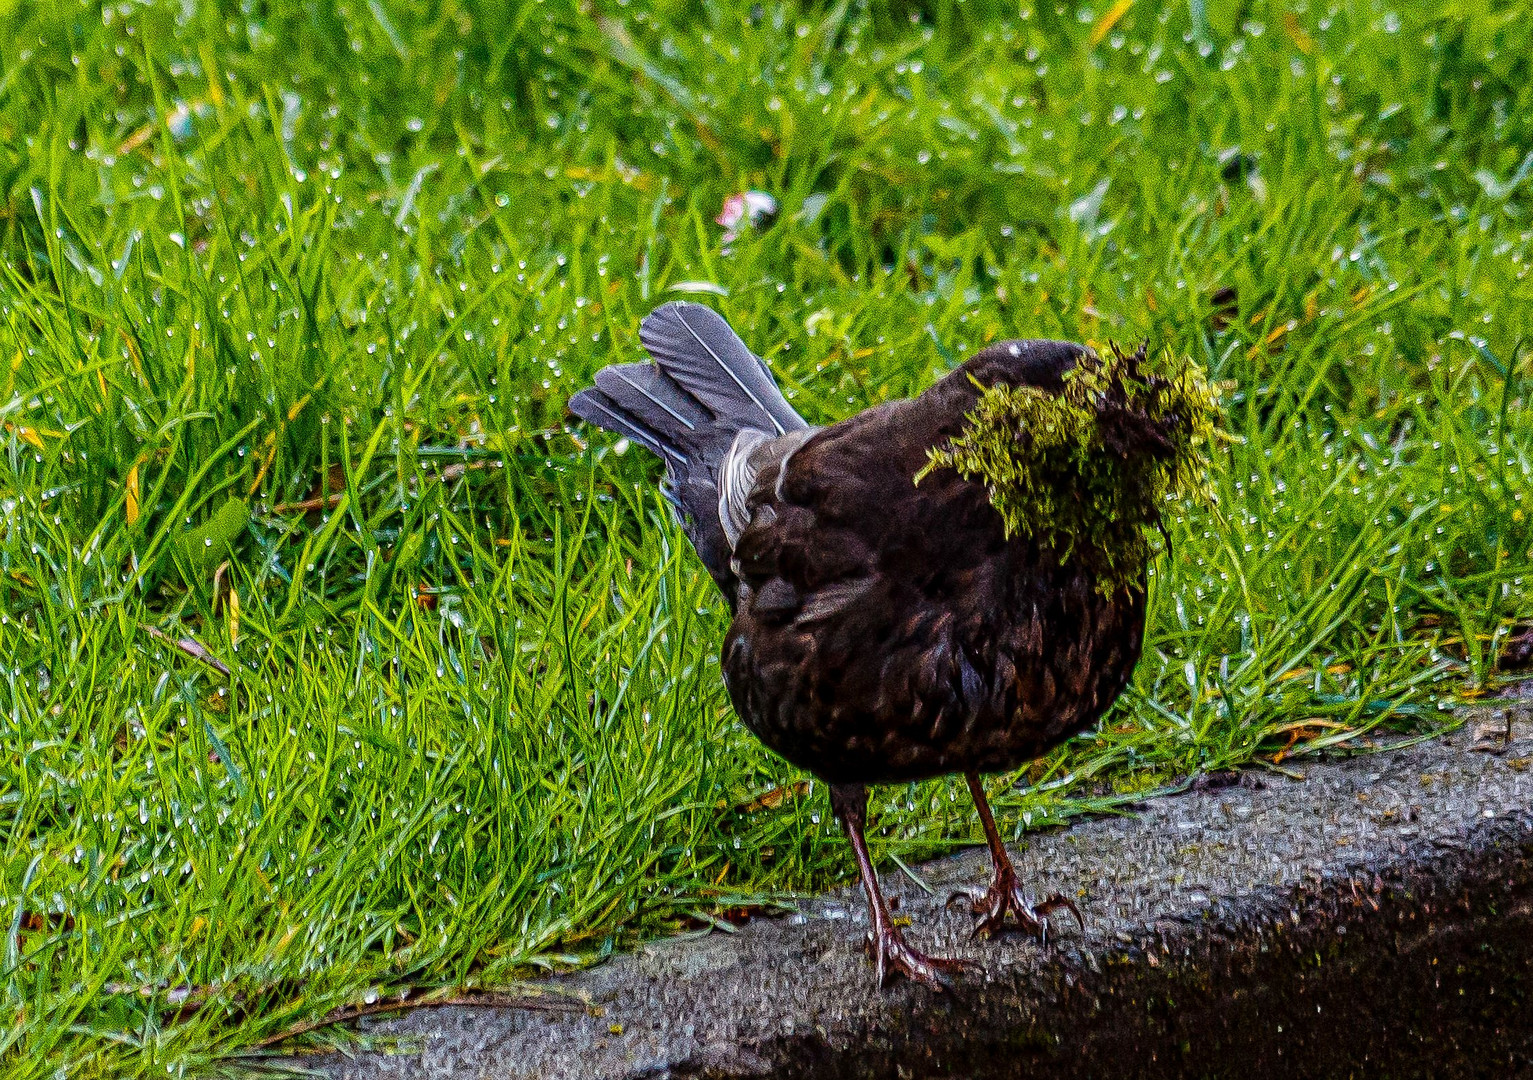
pixel 1034 918
pixel 891 954
pixel 1005 896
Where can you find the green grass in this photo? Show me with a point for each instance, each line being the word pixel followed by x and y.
pixel 472 726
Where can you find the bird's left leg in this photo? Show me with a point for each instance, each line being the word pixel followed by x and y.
pixel 1004 893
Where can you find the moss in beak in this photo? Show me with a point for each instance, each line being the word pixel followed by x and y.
pixel 1085 470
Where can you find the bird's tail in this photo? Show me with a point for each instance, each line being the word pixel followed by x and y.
pixel 703 388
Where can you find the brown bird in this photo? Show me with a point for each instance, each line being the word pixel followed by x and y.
pixel 895 616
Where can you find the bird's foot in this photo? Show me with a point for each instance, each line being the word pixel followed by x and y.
pixel 1005 894
pixel 891 953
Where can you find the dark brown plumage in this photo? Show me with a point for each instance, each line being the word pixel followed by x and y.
pixel 883 630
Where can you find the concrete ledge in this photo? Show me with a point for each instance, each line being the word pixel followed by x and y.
pixel 1374 919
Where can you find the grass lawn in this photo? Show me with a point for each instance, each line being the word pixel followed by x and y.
pixel 334 661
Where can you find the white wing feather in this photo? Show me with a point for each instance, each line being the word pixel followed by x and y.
pixel 735 479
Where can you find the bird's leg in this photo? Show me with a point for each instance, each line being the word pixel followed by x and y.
pixel 1005 894
pixel 850 803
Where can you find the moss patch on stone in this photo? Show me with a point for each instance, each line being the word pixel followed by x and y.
pixel 1085 470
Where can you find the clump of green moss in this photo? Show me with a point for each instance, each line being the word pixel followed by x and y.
pixel 1086 469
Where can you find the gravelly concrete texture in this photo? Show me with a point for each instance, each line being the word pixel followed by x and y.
pixel 1374 919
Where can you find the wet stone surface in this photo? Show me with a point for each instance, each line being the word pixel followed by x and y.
pixel 1373 919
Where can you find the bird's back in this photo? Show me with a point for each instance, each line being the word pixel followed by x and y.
pixel 888 630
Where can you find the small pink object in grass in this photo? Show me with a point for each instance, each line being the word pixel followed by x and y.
pixel 746 209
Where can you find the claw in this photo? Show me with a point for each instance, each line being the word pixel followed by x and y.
pixel 972 895
pixel 1056 902
pixel 1005 895
pixel 891 953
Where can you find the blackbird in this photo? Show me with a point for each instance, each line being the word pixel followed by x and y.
pixel 886 628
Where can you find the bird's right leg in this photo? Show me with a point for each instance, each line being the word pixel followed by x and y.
pixel 1005 892
pixel 850 803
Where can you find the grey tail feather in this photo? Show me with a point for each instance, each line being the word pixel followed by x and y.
pixel 597 408
pixel 699 351
pixel 703 387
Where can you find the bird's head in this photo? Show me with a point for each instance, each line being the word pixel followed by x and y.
pixel 1082 453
